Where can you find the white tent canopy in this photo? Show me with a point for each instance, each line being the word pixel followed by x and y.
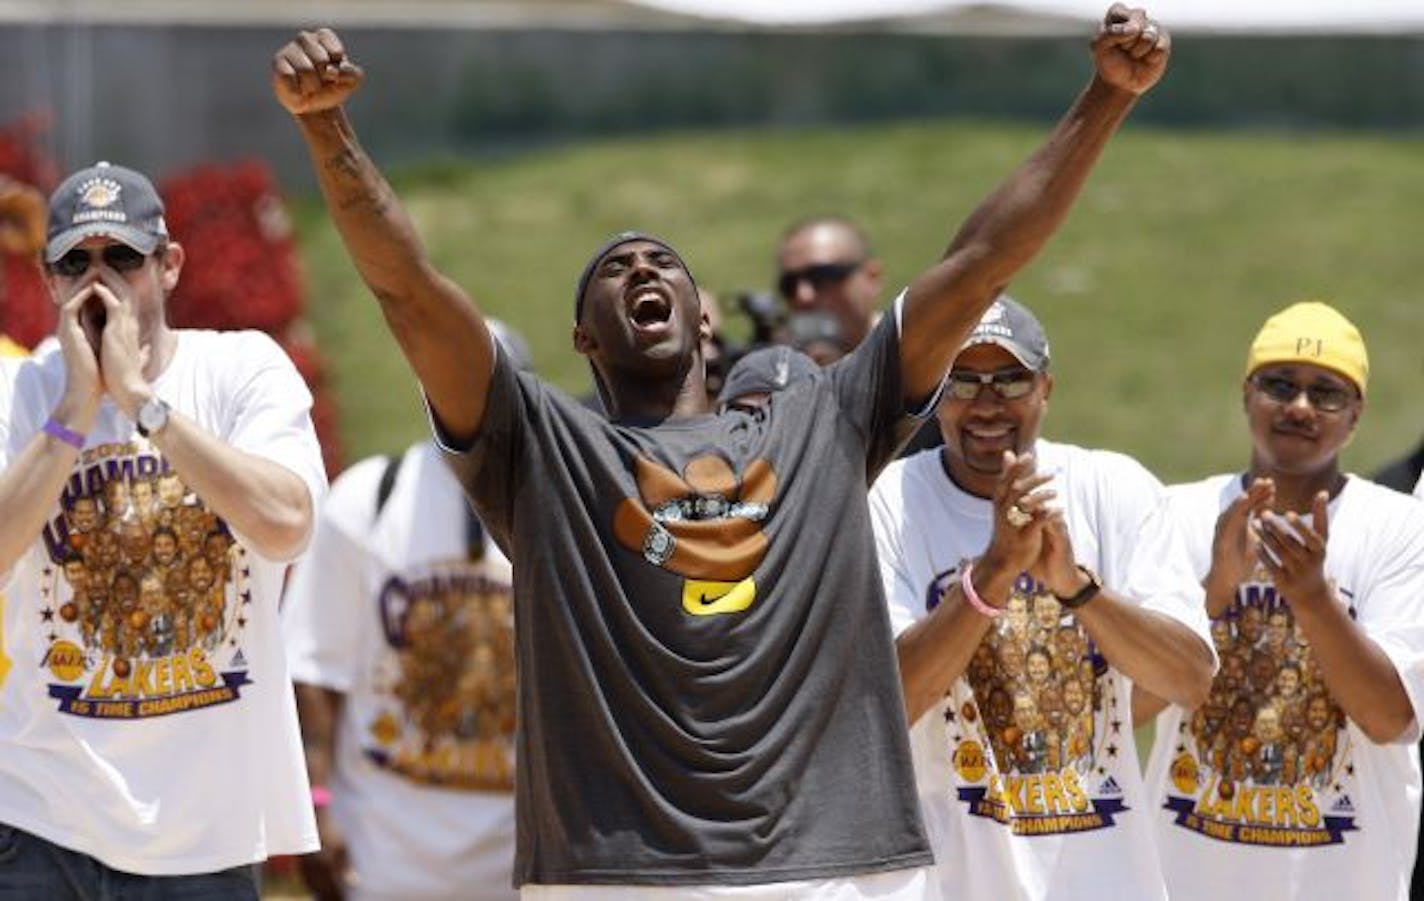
pixel 1194 15
pixel 956 16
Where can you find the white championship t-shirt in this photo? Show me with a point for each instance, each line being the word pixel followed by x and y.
pixel 390 611
pixel 1268 791
pixel 147 716
pixel 1027 771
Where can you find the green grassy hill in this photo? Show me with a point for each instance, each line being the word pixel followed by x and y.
pixel 1181 246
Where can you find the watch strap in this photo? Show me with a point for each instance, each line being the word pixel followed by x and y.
pixel 1084 594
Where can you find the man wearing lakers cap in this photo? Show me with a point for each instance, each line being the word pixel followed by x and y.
pixel 1031 583
pixel 1309 787
pixel 147 728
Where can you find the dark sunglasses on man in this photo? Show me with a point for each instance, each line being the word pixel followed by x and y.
pixel 820 275
pixel 1323 396
pixel 118 257
pixel 1009 384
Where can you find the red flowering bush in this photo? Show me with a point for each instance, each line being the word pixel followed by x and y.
pixel 26 314
pixel 22 153
pixel 242 270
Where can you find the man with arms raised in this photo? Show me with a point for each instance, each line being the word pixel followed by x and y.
pixel 707 692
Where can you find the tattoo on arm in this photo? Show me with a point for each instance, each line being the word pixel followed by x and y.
pixel 358 188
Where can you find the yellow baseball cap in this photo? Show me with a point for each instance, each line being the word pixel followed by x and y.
pixel 1315 333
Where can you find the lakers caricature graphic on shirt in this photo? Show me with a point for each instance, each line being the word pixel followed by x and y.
pixel 1023 727
pixel 143 593
pixel 442 705
pixel 1029 760
pixel 1266 760
pixel 1269 788
pixel 147 719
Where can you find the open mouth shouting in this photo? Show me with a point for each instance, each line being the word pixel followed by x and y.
pixel 649 309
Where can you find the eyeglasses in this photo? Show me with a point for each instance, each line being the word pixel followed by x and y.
pixel 1009 384
pixel 1323 396
pixel 820 275
pixel 118 257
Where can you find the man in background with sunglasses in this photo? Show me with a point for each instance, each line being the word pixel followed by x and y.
pixel 826 268
pixel 831 281
pixel 1310 788
pixel 154 483
pixel 1030 584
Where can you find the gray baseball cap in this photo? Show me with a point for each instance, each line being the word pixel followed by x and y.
pixel 512 343
pixel 1010 325
pixel 109 201
pixel 766 370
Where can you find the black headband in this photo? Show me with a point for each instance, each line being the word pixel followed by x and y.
pixel 598 255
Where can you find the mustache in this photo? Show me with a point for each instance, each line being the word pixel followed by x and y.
pixel 1290 427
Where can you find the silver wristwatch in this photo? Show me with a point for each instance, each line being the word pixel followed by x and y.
pixel 152 416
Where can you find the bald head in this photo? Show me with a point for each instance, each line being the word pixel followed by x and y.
pixel 825 265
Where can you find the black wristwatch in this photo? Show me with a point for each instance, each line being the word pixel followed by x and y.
pixel 1086 593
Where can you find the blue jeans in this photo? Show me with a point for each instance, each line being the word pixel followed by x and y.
pixel 32 869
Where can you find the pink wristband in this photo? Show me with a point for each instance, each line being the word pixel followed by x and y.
pixel 966 585
pixel 321 795
pixel 56 429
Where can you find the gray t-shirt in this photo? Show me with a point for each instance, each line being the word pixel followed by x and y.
pixel 707 683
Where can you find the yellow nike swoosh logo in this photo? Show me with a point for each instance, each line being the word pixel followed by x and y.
pixel 709 598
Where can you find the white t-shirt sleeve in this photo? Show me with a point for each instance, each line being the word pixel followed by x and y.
pixel 6 452
pixel 6 397
pixel 1391 612
pixel 326 597
pixel 1147 560
pixel 887 516
pixel 271 416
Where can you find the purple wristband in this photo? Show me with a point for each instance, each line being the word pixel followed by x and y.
pixel 68 436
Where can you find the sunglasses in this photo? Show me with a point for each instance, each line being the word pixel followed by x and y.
pixel 1323 396
pixel 821 275
pixel 118 257
pixel 1009 384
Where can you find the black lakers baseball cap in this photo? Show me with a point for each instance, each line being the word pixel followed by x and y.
pixel 107 201
pixel 1010 325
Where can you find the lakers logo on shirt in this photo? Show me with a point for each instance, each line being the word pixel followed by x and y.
pixel 446 699
pixel 705 525
pixel 143 595
pixel 1025 736
pixel 1266 760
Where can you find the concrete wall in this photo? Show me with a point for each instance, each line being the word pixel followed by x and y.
pixel 165 97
